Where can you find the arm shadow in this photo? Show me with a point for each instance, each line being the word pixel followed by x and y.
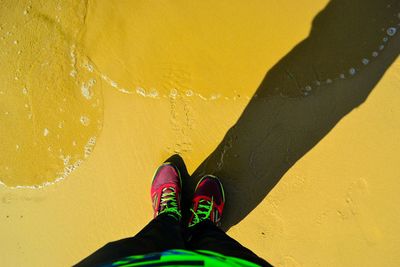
pixel 322 79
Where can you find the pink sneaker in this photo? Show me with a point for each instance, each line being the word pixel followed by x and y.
pixel 208 201
pixel 166 191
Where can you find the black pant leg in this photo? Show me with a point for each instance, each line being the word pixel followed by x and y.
pixel 162 233
pixel 207 236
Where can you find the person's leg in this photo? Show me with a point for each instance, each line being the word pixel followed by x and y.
pixel 203 232
pixel 162 233
pixel 207 236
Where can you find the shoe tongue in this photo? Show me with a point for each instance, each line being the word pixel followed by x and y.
pixel 168 190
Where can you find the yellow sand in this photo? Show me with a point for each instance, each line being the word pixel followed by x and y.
pixel 172 77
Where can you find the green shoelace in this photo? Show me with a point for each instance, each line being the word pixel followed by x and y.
pixel 169 205
pixel 203 211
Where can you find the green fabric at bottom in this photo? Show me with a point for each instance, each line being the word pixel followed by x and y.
pixel 179 257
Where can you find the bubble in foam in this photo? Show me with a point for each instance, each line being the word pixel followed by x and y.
pixel 375 54
pixel 216 96
pixel 352 71
pixel 125 91
pixel 381 47
pixel 88 66
pixel 391 31
pixel 308 88
pixel 114 84
pixel 153 93
pixel 84 120
pixel 86 89
pixel 173 92
pixel 89 146
pixel 385 39
pixel 365 61
pixel 92 140
pixel 189 93
pixel 140 91
pixel 65 159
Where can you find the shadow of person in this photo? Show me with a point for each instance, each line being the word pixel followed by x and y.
pixel 350 46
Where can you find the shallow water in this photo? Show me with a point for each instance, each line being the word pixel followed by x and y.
pixel 50 102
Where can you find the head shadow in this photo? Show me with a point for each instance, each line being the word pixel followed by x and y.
pixel 350 46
